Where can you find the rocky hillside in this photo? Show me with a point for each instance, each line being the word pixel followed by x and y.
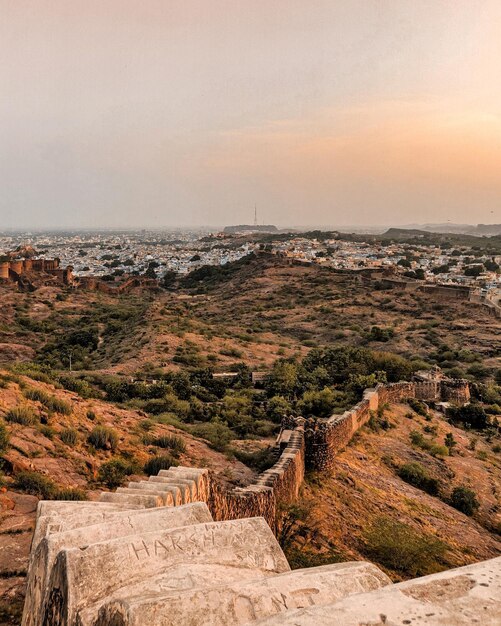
pixel 385 486
pixel 56 444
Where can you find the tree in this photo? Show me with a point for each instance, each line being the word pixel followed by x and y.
pixel 283 380
pixel 472 414
pixel 464 499
pixel 278 408
pixel 318 403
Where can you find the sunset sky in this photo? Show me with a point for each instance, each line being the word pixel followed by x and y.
pixel 189 112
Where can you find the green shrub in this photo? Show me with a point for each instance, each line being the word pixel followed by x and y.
pixel 36 484
pixel 71 494
pixel 438 450
pixel 260 460
pixel 400 548
pixel 470 415
pixel 176 444
pixel 103 438
pixel 48 431
pixel 464 499
pixel 4 438
pixel 91 415
pixel 157 463
pixel 113 472
pixel 23 415
pixel 52 403
pixel 417 406
pixel 69 436
pixel 59 406
pixel 415 474
pixel 217 434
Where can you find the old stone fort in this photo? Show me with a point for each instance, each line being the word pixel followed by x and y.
pixel 179 549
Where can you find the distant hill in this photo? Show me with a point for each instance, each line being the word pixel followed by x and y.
pixel 251 228
pixel 478 230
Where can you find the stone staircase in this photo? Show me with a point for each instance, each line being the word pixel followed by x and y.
pixel 150 554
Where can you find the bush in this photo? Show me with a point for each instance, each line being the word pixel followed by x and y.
pixel 464 499
pixel 103 438
pixel 260 460
pixel 415 474
pixel 52 403
pixel 418 407
pixel 4 438
pixel 400 548
pixel 113 472
pixel 471 415
pixel 69 436
pixel 71 494
pixel 176 444
pixel 217 434
pixel 48 431
pixel 23 415
pixel 36 484
pixel 438 450
pixel 157 463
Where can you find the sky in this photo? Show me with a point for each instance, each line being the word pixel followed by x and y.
pixel 153 113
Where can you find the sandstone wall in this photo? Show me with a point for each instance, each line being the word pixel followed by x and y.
pixel 275 487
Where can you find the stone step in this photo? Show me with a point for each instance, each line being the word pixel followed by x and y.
pixel 82 578
pixel 168 497
pixel 146 500
pixel 199 475
pixel 57 515
pixel 241 602
pixel 123 524
pixel 191 484
pixel 181 493
pixel 459 597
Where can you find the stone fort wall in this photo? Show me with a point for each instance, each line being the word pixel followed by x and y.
pixel 313 444
pixel 12 271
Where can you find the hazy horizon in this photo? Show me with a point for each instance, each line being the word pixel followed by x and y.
pixel 160 113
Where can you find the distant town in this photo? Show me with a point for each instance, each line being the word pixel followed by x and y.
pixel 115 255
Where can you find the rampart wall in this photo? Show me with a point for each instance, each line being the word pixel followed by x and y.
pixel 13 271
pixel 313 444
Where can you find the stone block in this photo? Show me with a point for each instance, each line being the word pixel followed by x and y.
pixel 186 482
pixel 169 498
pixel 84 577
pixel 146 500
pixel 240 602
pixel 122 524
pixel 57 515
pixel 459 597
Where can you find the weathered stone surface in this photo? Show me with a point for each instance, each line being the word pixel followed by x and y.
pixel 145 500
pixel 463 596
pixel 58 515
pixel 176 492
pixel 81 577
pixel 122 524
pixel 240 602
pixel 182 486
pixel 190 483
pixel 200 476
pixel 168 497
